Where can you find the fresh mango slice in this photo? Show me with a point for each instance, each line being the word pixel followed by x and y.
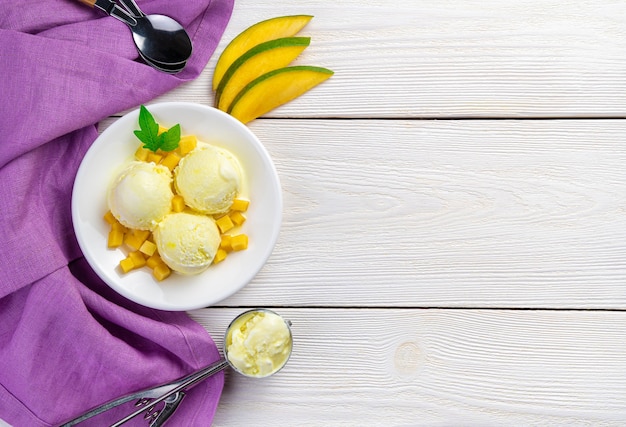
pixel 275 88
pixel 270 29
pixel 257 61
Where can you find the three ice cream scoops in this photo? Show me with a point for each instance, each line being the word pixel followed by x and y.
pixel 185 207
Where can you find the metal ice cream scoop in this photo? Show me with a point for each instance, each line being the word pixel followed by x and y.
pixel 160 40
pixel 171 394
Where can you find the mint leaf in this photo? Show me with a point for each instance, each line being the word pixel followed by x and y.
pixel 149 133
pixel 170 139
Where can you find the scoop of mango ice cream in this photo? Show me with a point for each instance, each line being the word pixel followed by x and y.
pixel 209 179
pixel 258 343
pixel 187 242
pixel 141 195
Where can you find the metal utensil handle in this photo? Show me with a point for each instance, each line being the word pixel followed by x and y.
pixel 158 393
pixel 171 404
pixel 105 407
pixel 112 9
pixel 180 385
pixel 132 7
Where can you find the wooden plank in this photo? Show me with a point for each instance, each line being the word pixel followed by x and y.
pixel 479 213
pixel 457 58
pixel 435 367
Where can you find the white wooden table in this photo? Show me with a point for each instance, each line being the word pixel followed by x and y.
pixel 453 250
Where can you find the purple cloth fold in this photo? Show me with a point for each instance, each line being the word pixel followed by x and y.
pixel 68 342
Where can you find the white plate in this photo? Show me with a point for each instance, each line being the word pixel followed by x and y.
pixel 116 146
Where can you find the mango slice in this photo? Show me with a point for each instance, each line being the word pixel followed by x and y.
pixel 257 61
pixel 270 29
pixel 275 88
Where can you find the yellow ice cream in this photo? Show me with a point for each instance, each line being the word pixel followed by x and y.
pixel 141 195
pixel 258 343
pixel 187 242
pixel 209 179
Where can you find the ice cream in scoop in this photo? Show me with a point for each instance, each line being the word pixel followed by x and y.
pixel 141 195
pixel 209 179
pixel 258 343
pixel 187 242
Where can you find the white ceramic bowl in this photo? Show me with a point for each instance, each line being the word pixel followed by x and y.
pixel 116 146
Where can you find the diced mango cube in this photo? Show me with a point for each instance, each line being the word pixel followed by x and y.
pixel 142 234
pixel 154 260
pixel 109 218
pixel 240 205
pixel 162 129
pixel 127 264
pixel 154 157
pixel 224 223
pixel 239 242
pixel 147 248
pixel 135 238
pixel 119 227
pixel 161 271
pixel 186 144
pixel 171 160
pixel 142 154
pixel 220 256
pixel 225 243
pixel 116 238
pixel 178 203
pixel 137 258
pixel 237 218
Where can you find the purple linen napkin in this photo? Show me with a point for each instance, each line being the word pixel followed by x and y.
pixel 67 342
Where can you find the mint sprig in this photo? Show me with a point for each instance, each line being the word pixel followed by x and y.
pixel 148 133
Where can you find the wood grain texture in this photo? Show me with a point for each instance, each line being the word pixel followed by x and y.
pixel 456 58
pixel 486 213
pixel 354 367
pixel 392 229
pixel 409 246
